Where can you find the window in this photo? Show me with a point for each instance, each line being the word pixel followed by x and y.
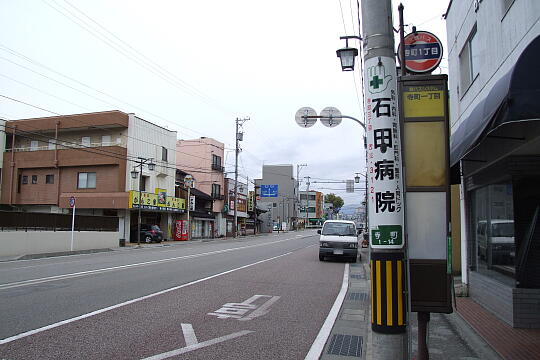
pixel 34 179
pixel 24 179
pixel 49 179
pixel 34 145
pixel 106 140
pixel 216 190
pixel 52 144
pixel 87 180
pixel 469 61
pixel 216 160
pixel 144 182
pixel 85 141
pixel 163 153
pixel 492 244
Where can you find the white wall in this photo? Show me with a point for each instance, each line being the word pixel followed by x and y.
pixel 502 37
pixel 13 243
pixel 146 139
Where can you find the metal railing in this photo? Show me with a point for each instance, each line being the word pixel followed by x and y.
pixel 61 146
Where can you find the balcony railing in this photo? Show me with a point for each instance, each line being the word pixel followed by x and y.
pixel 61 146
pixel 218 196
pixel 218 167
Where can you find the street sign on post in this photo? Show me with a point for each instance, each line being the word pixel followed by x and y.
pixel 423 52
pixel 425 132
pixel 386 210
pixel 72 205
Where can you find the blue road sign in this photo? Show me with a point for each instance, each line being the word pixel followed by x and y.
pixel 269 190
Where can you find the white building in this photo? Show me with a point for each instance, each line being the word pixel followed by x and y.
pixel 494 92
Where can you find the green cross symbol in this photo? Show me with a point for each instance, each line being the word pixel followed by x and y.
pixel 376 82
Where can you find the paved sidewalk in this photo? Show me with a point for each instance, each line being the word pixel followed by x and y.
pixel 510 343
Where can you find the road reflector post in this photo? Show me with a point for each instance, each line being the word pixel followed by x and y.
pixel 388 313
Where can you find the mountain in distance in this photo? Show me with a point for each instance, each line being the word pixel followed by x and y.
pixel 349 209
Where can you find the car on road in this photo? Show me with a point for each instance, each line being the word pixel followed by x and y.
pixel 149 233
pixel 338 240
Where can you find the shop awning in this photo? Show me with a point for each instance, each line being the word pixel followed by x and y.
pixel 515 97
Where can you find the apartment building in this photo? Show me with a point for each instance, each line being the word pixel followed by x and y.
pixel 242 206
pixel 90 158
pixel 313 201
pixel 494 85
pixel 203 158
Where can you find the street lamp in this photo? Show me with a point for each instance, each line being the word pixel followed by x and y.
pixel 134 174
pixel 346 55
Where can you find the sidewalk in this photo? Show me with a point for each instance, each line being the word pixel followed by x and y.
pixel 510 343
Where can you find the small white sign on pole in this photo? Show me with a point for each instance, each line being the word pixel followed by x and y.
pixel 72 205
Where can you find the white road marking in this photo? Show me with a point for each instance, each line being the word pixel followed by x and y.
pixel 100 311
pixel 238 310
pixel 121 267
pixel 198 346
pixel 318 345
pixel 189 335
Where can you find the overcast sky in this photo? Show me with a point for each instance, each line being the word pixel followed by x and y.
pixel 195 66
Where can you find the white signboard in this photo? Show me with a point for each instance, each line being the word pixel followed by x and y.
pixel 385 182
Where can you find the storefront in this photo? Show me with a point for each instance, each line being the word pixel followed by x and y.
pixel 156 209
pixel 495 155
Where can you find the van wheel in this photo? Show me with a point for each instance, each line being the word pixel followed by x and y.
pixel 321 258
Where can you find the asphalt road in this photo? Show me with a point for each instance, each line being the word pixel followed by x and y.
pixel 256 298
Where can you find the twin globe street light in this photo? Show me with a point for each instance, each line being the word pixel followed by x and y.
pixel 330 116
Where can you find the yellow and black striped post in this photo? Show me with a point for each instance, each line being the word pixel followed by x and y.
pixel 388 315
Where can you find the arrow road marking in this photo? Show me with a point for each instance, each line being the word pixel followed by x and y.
pixel 193 344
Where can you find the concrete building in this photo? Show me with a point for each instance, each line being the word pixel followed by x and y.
pixel 494 91
pixel 277 195
pixel 88 157
pixel 241 211
pixel 315 207
pixel 204 159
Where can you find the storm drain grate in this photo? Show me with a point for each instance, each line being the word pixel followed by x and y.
pixel 358 276
pixel 358 296
pixel 346 345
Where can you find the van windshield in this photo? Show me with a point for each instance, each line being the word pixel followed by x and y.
pixel 339 229
pixel 502 230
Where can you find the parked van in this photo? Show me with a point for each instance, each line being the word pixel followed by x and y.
pixel 338 239
pixel 503 250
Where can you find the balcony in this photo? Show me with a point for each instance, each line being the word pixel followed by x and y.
pixel 65 145
pixel 218 196
pixel 218 167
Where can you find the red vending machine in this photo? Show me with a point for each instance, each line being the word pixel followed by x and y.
pixel 181 231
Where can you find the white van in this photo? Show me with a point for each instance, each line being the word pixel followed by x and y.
pixel 338 239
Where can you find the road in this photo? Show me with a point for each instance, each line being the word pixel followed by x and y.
pixel 262 297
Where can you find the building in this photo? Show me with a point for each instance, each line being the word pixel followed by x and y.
pixel 494 87
pixel 315 207
pixel 203 158
pixel 242 209
pixel 89 159
pixel 277 195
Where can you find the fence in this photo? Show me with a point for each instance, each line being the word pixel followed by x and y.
pixel 23 221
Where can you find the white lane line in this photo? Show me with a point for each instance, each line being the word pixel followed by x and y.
pixel 318 345
pixel 189 335
pixel 121 267
pixel 100 311
pixel 262 310
pixel 198 346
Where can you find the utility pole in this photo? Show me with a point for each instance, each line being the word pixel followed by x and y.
pixel 298 166
pixel 307 199
pixel 239 137
pixel 386 201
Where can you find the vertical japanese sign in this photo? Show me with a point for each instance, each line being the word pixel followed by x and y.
pixel 385 184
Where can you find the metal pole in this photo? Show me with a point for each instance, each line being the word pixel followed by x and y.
pixel 402 40
pixel 140 205
pixel 72 226
pixel 235 224
pixel 188 209
pixel 307 201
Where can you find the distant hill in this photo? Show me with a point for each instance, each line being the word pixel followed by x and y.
pixel 349 209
